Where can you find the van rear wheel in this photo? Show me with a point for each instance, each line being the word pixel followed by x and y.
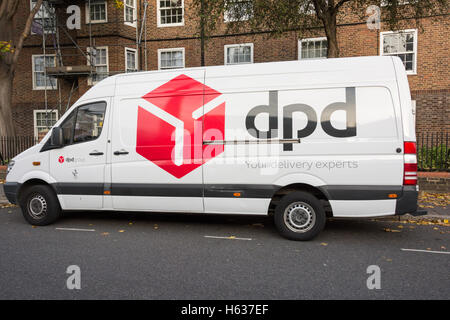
pixel 299 216
pixel 40 205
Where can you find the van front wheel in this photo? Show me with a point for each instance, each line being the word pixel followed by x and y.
pixel 299 216
pixel 40 205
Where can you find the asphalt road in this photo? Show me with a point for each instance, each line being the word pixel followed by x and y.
pixel 172 256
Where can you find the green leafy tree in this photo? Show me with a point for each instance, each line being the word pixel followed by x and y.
pixel 277 17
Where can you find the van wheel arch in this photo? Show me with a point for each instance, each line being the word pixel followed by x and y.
pixel 33 182
pixel 317 192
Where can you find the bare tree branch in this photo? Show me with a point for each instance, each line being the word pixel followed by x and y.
pixel 340 3
pixel 12 8
pixel 25 33
pixel 3 6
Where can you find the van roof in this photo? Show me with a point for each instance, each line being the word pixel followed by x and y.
pixel 314 72
pixel 366 63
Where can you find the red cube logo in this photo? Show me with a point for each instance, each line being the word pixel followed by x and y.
pixel 171 135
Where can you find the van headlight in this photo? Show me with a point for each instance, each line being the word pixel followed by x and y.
pixel 10 166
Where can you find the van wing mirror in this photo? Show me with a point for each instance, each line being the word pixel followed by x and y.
pixel 56 139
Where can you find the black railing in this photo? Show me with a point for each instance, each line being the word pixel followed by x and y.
pixel 12 146
pixel 433 153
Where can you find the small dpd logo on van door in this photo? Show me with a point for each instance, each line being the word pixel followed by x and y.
pixel 171 135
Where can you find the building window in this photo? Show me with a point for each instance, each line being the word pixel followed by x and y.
pixel 98 59
pixel 237 10
pixel 96 12
pixel 313 48
pixel 402 44
pixel 171 58
pixel 130 12
pixel 40 80
pixel 130 60
pixel 44 19
pixel 239 53
pixel 170 13
pixel 43 120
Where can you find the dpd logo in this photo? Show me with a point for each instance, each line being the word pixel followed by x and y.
pixel 61 159
pixel 349 106
pixel 171 133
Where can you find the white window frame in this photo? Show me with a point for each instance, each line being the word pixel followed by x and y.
pixel 90 81
pixel 49 86
pixel 300 44
pixel 163 25
pixel 226 18
pixel 88 14
pixel 169 50
pixel 126 59
pixel 35 126
pixel 415 49
pixel 225 49
pixel 134 23
pixel 41 14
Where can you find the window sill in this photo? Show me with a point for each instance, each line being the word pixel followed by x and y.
pixel 133 25
pixel 97 22
pixel 43 88
pixel 170 25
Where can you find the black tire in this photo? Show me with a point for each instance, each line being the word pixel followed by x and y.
pixel 39 205
pixel 299 216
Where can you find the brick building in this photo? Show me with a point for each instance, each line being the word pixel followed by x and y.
pixel 107 45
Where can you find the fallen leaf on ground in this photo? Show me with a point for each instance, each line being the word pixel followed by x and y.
pixel 258 225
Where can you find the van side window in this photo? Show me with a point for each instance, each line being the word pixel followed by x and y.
pixel 67 127
pixel 89 123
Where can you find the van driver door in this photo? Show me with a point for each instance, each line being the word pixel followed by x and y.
pixel 79 167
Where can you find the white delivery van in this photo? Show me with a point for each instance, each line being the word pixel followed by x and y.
pixel 299 140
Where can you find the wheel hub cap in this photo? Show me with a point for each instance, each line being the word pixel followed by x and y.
pixel 299 217
pixel 37 206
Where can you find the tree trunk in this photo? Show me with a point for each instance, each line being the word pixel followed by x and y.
pixel 331 32
pixel 8 60
pixel 6 119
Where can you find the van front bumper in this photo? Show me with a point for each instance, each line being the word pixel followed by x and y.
pixel 407 203
pixel 11 190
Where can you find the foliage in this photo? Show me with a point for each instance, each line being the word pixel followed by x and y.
pixel 277 17
pixel 434 158
pixel 118 4
pixel 5 47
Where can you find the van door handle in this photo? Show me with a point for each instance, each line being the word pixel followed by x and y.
pixel 118 153
pixel 96 153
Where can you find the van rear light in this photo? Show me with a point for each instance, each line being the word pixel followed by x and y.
pixel 410 175
pixel 410 164
pixel 410 147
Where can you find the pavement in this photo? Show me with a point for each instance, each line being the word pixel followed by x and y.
pixel 185 256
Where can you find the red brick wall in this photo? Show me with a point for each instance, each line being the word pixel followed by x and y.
pixel 430 87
